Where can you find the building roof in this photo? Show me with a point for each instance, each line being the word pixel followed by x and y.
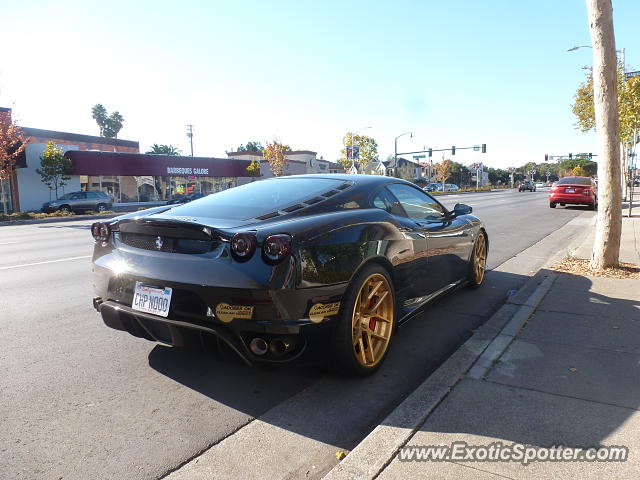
pixel 77 137
pixel 293 152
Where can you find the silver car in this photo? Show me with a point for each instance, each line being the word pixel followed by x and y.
pixel 79 202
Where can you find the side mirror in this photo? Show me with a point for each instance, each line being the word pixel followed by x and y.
pixel 462 209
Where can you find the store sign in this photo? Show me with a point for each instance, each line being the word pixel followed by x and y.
pixel 187 171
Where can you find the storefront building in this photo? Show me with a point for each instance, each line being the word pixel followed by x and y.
pixel 24 190
pixel 133 178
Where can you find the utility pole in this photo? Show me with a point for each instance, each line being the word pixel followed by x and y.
pixel 190 135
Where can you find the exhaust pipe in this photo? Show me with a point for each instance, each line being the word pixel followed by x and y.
pixel 258 346
pixel 280 346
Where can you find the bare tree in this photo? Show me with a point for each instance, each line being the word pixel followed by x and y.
pixel 606 248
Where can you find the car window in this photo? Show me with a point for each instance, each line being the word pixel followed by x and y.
pixel 76 196
pixel 574 181
pixel 91 195
pixel 259 198
pixel 417 204
pixel 385 201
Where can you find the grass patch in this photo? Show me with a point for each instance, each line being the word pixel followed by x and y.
pixel 9 217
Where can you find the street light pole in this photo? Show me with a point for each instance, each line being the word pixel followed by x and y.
pixel 621 52
pixel 395 149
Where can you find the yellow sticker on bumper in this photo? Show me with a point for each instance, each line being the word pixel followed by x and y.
pixel 226 313
pixel 319 311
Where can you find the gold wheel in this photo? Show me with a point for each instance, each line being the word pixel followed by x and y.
pixel 480 258
pixel 372 320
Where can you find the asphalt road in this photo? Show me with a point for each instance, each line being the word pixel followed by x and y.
pixel 79 400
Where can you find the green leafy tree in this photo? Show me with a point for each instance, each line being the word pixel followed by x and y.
pixel 164 150
pixel 628 110
pixel 367 150
pixel 251 147
pixel 55 167
pixel 588 166
pixel 498 176
pixel 275 153
pixel 109 125
pixel 253 169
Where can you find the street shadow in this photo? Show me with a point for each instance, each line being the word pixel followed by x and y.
pixel 570 377
pixel 331 408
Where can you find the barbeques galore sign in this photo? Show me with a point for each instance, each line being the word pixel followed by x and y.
pixel 187 171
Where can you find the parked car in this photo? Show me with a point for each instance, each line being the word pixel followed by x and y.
pixel 574 191
pixel 527 185
pixel 540 184
pixel 451 187
pixel 95 200
pixel 178 199
pixel 300 268
pixel 433 187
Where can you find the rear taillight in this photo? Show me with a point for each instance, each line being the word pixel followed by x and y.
pixel 276 247
pixel 586 191
pixel 243 245
pixel 101 232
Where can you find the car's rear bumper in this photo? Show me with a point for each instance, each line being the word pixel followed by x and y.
pixel 308 342
pixel 573 199
pixel 289 314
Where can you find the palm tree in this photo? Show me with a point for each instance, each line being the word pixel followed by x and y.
pixel 114 125
pixel 99 114
pixel 164 150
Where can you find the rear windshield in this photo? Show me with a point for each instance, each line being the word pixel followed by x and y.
pixel 258 198
pixel 574 181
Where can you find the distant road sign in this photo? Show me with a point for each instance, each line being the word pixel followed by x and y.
pixel 629 75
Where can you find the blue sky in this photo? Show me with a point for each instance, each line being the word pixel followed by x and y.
pixel 454 73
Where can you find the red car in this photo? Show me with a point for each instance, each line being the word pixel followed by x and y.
pixel 574 191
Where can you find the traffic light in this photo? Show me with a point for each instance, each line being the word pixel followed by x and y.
pixel 570 156
pixel 590 155
pixel 484 148
pixel 453 150
pixel 430 152
pixel 546 157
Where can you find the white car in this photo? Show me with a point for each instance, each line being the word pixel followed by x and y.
pixel 540 184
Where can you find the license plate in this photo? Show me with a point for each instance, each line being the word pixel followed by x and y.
pixel 570 190
pixel 151 300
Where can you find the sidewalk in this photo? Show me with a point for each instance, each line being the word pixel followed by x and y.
pixel 570 377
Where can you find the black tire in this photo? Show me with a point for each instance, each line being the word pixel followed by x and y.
pixel 474 276
pixel 345 351
pixel 552 205
pixel 562 204
pixel 101 207
pixel 65 209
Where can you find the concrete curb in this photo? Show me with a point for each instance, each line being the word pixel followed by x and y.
pixel 473 358
pixel 70 218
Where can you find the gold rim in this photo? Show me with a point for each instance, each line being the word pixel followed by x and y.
pixel 480 258
pixel 372 320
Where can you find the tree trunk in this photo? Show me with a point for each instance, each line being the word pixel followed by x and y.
pixel 606 247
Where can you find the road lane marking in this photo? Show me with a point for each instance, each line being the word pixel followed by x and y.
pixel 42 263
pixel 7 243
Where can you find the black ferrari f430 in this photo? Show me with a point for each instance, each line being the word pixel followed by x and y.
pixel 300 268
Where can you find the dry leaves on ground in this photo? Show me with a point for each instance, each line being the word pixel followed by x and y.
pixel 578 266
